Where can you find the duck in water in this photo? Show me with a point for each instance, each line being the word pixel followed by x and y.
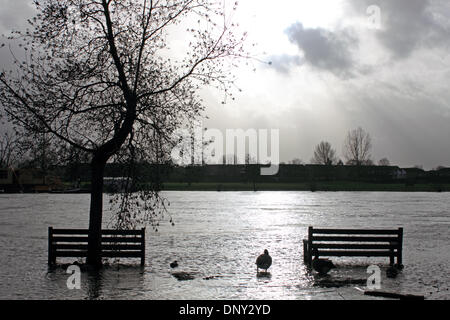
pixel 264 261
pixel 392 272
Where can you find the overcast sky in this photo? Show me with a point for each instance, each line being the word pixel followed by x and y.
pixel 332 71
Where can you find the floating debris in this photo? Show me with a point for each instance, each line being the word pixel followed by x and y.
pixel 393 295
pixel 183 276
pixel 212 277
pixel 337 283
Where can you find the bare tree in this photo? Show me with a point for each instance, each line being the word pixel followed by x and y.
pixel 101 77
pixel 324 154
pixel 357 147
pixel 9 150
pixel 384 162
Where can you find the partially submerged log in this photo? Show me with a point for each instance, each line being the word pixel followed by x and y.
pixel 393 295
pixel 183 276
pixel 212 277
pixel 337 283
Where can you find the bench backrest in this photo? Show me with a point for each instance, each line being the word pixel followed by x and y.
pixel 354 243
pixel 115 243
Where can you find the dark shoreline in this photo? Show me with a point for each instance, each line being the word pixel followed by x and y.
pixel 338 186
pixel 313 186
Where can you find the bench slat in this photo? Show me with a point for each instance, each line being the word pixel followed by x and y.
pixel 355 231
pixel 70 231
pixel 122 239
pixel 104 247
pixel 69 239
pixel 104 239
pixel 354 239
pixel 65 246
pixel 121 232
pixel 352 246
pixel 104 232
pixel 106 254
pixel 337 253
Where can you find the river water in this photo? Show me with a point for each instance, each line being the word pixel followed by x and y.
pixel 217 237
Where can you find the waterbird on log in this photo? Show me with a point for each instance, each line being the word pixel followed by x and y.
pixel 322 266
pixel 264 261
pixel 174 264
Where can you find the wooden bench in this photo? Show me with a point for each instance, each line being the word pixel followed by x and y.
pixel 353 243
pixel 115 244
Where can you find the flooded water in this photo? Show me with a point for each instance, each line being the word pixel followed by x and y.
pixel 217 237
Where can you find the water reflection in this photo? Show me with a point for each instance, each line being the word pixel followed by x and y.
pixel 217 238
pixel 263 275
pixel 113 281
pixel 94 284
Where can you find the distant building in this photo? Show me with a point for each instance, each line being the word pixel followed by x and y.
pixel 399 174
pixel 115 184
pixel 6 176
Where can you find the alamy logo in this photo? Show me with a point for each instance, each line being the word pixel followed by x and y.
pixel 199 146
pixel 374 280
pixel 374 17
pixel 74 281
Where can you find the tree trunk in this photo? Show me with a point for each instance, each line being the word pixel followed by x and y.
pixel 98 164
pixel 94 257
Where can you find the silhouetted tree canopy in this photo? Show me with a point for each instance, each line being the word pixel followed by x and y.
pixel 9 150
pixel 103 77
pixel 384 162
pixel 324 154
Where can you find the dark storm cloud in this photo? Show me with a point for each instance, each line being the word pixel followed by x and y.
pixel 408 25
pixel 322 49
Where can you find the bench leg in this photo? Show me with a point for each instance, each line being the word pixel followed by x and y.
pixel 305 251
pixel 51 251
pixel 399 259
pixel 400 248
pixel 143 247
pixel 310 234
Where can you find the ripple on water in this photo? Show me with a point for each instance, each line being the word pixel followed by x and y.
pixel 217 238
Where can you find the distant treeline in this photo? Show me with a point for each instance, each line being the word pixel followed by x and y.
pixel 288 173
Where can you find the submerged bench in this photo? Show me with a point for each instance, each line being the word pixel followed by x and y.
pixel 115 244
pixel 353 243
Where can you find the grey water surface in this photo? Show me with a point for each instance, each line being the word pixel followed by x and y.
pixel 216 239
